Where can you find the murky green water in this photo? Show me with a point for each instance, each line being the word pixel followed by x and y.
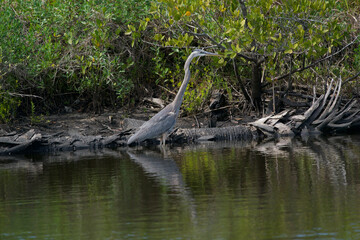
pixel 290 189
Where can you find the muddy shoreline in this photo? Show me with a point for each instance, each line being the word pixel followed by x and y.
pixel 75 131
pixel 105 124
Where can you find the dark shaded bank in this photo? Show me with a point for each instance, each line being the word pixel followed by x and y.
pixel 328 114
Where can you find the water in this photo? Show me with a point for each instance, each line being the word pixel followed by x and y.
pixel 288 189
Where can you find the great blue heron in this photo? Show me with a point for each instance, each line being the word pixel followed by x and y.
pixel 163 122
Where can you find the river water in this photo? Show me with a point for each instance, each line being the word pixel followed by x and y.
pixel 284 189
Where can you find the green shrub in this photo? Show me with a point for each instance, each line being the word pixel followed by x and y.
pixel 267 38
pixel 59 47
pixel 108 52
pixel 8 106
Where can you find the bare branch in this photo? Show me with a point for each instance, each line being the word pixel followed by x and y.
pixel 243 89
pixel 23 95
pixel 244 12
pixel 316 62
pixel 351 78
pixel 219 44
pixel 326 112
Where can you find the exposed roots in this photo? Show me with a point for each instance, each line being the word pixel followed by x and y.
pixel 327 114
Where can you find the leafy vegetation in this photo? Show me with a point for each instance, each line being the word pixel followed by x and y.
pixel 67 50
pixel 91 54
pixel 270 39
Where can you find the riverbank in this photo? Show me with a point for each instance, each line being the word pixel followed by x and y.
pixel 105 124
pixel 74 130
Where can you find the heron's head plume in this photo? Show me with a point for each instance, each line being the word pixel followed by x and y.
pixel 197 53
pixel 200 52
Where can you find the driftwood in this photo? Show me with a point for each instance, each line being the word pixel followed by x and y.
pixel 37 142
pixel 327 114
pixel 19 143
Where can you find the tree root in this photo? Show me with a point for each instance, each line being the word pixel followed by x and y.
pixel 324 116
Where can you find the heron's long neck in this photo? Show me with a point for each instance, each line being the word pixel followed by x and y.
pixel 179 96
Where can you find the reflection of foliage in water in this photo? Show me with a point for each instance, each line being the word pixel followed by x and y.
pixel 286 186
pixel 289 189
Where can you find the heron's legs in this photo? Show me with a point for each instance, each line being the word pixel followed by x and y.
pixel 163 139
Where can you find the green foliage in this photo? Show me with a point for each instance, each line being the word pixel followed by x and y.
pixel 357 58
pixel 195 97
pixel 270 29
pixel 34 118
pixel 165 71
pixel 199 89
pixel 8 106
pixel 277 35
pixel 9 101
pixel 99 51
pixel 55 47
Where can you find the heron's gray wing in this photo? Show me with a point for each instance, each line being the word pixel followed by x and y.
pixel 159 125
pixel 162 122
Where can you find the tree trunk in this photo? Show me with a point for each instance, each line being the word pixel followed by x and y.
pixel 256 86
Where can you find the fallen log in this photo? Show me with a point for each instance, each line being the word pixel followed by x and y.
pixel 21 146
pixel 36 142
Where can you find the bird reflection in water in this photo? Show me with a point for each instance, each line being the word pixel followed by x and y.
pixel 165 170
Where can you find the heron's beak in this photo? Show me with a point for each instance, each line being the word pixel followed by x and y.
pixel 214 54
pixel 211 54
pixel 208 54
